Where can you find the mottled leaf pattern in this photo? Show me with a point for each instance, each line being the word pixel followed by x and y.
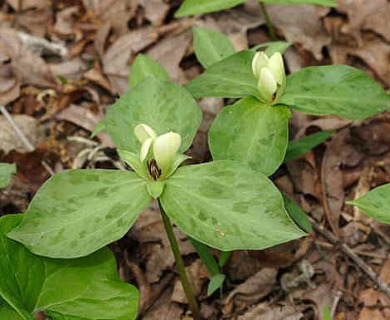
pixel 338 90
pixel 85 288
pixel 376 203
pixel 77 212
pixel 228 206
pixel 231 77
pixel 161 105
pixel 144 67
pixel 251 132
pixel 211 46
pixel 193 7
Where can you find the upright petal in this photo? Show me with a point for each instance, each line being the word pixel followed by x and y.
pixel 145 147
pixel 165 149
pixel 260 61
pixel 143 132
pixel 267 84
pixel 276 66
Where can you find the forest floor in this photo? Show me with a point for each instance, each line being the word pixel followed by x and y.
pixel 58 89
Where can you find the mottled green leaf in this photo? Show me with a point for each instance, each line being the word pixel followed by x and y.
pixel 6 170
pixel 211 46
pixel 338 90
pixel 376 203
pixel 161 105
pixel 85 288
pixel 76 212
pixel 251 132
pixel 297 214
pixel 272 47
pixel 231 77
pixel 215 283
pixel 228 206
pixel 305 144
pixel 144 67
pixel 193 7
pixel 325 3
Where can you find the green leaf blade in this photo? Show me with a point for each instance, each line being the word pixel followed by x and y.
pixel 325 3
pixel 251 132
pixel 159 104
pixel 211 46
pixel 231 77
pixel 375 203
pixel 144 67
pixel 77 212
pixel 338 90
pixel 305 144
pixel 6 170
pixel 85 288
pixel 228 206
pixel 194 7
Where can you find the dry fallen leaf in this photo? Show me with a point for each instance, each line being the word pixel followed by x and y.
pixel 269 312
pixel 197 276
pixel 375 302
pixel 164 309
pixel 29 66
pixel 366 15
pixel 116 59
pixel 308 31
pixel 149 231
pixel 252 290
pixel 10 141
pixel 117 12
pixel 169 52
pixel 9 84
pixel 155 10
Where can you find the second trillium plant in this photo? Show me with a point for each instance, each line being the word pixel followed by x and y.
pixel 223 204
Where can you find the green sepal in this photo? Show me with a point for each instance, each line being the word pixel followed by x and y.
pixel 155 188
pixel 133 160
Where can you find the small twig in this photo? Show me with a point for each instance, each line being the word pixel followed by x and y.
pixel 270 26
pixel 353 256
pixel 23 138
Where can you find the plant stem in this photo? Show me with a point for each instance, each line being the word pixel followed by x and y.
pixel 180 265
pixel 270 26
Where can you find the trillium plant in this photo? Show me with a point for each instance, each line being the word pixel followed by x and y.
pixel 228 204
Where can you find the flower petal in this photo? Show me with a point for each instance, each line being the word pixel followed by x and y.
pixel 267 84
pixel 165 149
pixel 144 132
pixel 145 147
pixel 276 66
pixel 260 61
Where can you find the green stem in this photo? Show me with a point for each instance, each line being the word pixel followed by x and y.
pixel 270 26
pixel 180 265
